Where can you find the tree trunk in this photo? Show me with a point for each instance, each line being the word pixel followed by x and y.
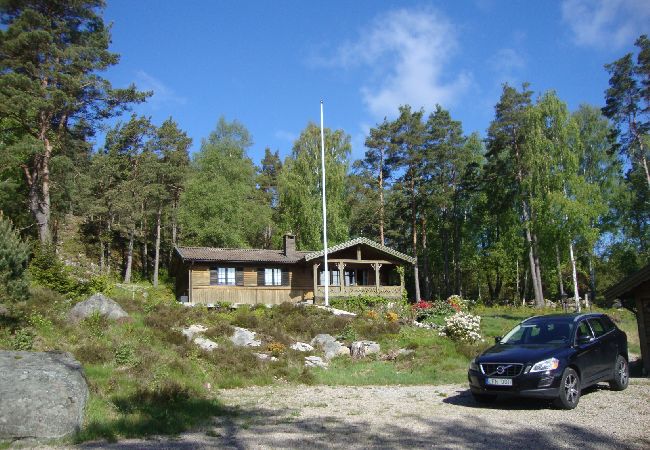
pixel 592 278
pixel 425 265
pixel 129 258
pixel 156 261
pixel 414 227
pixel 101 256
pixel 525 291
pixel 457 246
pixel 381 197
pixel 145 249
pixel 445 254
pixel 38 183
pixel 534 261
pixel 576 294
pixel 559 272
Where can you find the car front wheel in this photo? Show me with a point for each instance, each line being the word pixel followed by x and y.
pixel 569 390
pixel 621 375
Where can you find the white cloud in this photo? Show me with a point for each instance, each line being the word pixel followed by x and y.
pixel 407 52
pixel 507 63
pixel 162 94
pixel 286 135
pixel 606 23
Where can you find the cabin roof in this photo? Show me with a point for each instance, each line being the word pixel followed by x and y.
pixel 360 241
pixel 212 254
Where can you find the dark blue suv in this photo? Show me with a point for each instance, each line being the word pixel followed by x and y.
pixel 553 357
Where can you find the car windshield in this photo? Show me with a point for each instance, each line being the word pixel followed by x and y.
pixel 539 333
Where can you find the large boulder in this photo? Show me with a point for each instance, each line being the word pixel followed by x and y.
pixel 244 338
pixel 97 303
pixel 330 346
pixel 43 395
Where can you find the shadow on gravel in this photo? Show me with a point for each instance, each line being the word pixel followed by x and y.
pixel 264 428
pixel 464 398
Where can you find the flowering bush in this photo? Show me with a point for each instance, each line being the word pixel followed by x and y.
pixel 424 310
pixel 276 348
pixel 392 316
pixel 457 302
pixel 463 327
pixel 372 315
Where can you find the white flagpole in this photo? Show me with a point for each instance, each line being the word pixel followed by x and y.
pixel 322 154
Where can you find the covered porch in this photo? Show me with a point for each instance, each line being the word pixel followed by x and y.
pixel 358 267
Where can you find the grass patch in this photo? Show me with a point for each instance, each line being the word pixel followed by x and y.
pixel 145 378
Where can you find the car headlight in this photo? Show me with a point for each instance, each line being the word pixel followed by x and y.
pixel 547 364
pixel 474 366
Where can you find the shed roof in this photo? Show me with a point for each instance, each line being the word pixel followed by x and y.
pixel 628 284
pixel 357 241
pixel 211 254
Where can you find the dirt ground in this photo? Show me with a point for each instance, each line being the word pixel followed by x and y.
pixel 414 416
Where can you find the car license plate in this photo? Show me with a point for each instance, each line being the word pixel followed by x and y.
pixel 499 381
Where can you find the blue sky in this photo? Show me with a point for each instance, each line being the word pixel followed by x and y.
pixel 268 63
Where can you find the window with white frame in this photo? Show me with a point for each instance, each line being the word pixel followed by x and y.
pixel 334 278
pixel 272 277
pixel 222 276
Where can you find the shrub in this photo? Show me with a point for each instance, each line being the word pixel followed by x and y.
pixel 48 270
pixel 276 348
pixel 245 318
pixel 93 353
pixel 392 316
pixel 462 327
pixel 95 324
pixel 349 333
pixel 360 303
pixel 457 302
pixel 124 355
pixel 13 262
pixel 23 339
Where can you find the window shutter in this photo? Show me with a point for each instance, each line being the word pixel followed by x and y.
pixel 260 277
pixel 285 277
pixel 213 276
pixel 239 276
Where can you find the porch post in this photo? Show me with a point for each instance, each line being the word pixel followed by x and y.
pixel 401 283
pixel 341 267
pixel 377 267
pixel 315 280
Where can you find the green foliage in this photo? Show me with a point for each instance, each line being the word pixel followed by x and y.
pixel 13 262
pixel 349 333
pixel 23 339
pixel 46 269
pixel 220 206
pixel 51 87
pixel 300 187
pixel 359 303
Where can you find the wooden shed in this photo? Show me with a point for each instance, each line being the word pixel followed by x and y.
pixel 635 290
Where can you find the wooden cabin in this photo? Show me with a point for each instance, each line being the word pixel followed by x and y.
pixel 206 275
pixel 635 289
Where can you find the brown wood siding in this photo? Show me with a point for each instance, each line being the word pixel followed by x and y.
pixel 248 295
pixel 299 289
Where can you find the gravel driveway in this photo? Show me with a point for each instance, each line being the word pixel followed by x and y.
pixel 415 416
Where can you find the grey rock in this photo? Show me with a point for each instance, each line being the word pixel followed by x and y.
pixel 361 349
pixel 330 346
pixel 193 330
pixel 43 395
pixel 100 303
pixel 617 304
pixel 205 343
pixel 3 310
pixel 315 361
pixel 265 357
pixel 302 347
pixel 244 338
pixel 193 334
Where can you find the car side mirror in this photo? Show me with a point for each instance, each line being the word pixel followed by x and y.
pixel 497 339
pixel 584 340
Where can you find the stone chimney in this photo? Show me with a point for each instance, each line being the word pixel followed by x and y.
pixel 289 244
